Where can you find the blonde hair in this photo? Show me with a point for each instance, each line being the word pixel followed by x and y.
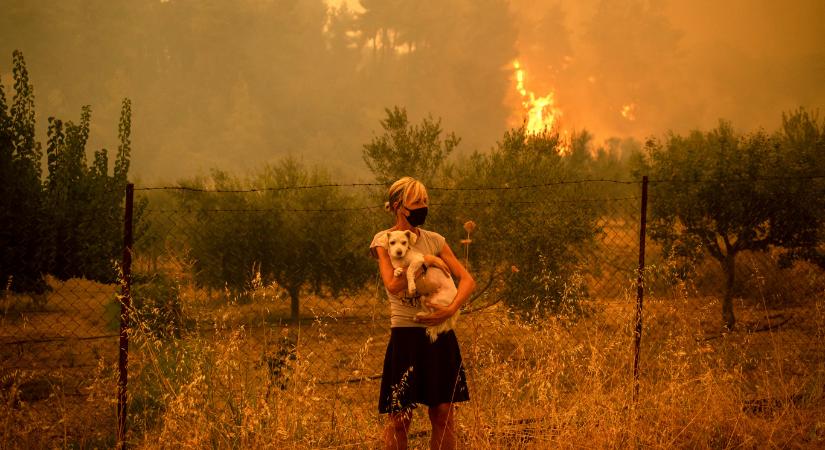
pixel 404 191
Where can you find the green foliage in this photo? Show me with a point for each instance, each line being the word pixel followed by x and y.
pixel 22 117
pixel 84 201
pixel 526 237
pixel 157 305
pixel 69 224
pixel 721 193
pixel 408 150
pixel 21 199
pixel 152 234
pixel 226 247
pixel 798 221
pixel 280 236
pixel 711 195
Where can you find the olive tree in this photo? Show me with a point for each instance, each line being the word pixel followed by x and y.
pixel 722 192
pixel 527 238
pixel 798 220
pixel 405 149
pixel 306 240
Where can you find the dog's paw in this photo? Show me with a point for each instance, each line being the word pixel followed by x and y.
pixel 398 271
pixel 411 290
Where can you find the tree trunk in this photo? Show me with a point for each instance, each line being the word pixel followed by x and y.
pixel 729 266
pixel 295 310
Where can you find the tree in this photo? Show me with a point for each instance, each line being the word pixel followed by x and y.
pixel 716 193
pixel 798 222
pixel 538 264
pixel 321 251
pixel 84 201
pixel 69 224
pixel 225 246
pixel 21 200
pixel 405 149
pixel 300 239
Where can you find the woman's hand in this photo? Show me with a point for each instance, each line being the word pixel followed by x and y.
pixel 440 313
pixel 398 284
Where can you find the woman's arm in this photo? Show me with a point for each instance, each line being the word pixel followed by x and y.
pixel 466 286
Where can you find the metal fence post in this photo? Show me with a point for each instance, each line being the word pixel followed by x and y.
pixel 637 337
pixel 125 306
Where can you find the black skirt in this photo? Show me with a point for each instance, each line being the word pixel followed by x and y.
pixel 419 371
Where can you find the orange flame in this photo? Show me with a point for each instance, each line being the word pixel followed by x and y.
pixel 629 111
pixel 541 112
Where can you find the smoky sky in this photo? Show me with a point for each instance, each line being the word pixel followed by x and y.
pixel 238 84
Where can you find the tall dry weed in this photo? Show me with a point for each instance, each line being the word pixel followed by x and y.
pixel 559 382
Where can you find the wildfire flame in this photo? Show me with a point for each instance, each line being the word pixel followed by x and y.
pixel 541 113
pixel 629 111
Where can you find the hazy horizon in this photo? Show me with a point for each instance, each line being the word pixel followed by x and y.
pixel 235 85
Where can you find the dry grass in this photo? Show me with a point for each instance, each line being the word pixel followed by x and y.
pixel 564 383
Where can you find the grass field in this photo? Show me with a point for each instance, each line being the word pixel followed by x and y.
pixel 235 381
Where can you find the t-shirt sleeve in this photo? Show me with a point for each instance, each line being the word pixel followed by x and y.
pixel 438 243
pixel 380 240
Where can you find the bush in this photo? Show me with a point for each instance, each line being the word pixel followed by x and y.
pixel 156 306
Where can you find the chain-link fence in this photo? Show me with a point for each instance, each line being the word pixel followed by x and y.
pixel 225 348
pixel 58 354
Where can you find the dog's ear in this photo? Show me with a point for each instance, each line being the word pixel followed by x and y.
pixel 411 236
pixel 387 244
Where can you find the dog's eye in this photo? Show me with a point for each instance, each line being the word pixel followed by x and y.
pixel 404 243
pixel 392 242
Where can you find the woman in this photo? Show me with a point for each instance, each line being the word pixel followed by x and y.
pixel 415 369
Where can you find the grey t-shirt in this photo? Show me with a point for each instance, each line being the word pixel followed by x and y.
pixel 403 308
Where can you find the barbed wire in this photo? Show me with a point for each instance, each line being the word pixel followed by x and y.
pixel 736 180
pixel 267 189
pixel 507 187
pixel 359 208
pixel 364 208
pixel 504 187
pixel 431 188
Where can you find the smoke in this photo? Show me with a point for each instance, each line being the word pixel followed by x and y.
pixel 641 68
pixel 239 84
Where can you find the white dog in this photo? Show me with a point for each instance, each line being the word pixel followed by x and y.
pixel 436 285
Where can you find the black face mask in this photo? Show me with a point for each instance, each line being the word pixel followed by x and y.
pixel 417 216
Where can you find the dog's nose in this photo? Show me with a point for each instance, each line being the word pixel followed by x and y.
pixel 399 253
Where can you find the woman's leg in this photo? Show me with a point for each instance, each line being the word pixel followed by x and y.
pixel 441 418
pixel 395 433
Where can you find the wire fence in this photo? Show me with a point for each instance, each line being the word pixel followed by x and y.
pixel 211 297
